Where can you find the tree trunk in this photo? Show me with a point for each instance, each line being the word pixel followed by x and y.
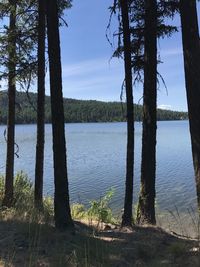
pixel 61 198
pixel 146 205
pixel 191 53
pixel 8 198
pixel 127 216
pixel 39 165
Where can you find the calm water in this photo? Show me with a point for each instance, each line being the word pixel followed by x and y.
pixel 96 161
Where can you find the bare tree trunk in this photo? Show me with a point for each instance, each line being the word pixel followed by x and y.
pixel 8 198
pixel 146 205
pixel 39 165
pixel 191 53
pixel 128 202
pixel 61 198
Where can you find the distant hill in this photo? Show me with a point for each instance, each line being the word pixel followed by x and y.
pixel 77 110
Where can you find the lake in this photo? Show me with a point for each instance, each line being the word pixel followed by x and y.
pixel 96 154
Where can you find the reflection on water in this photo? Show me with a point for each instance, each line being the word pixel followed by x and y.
pixel 96 154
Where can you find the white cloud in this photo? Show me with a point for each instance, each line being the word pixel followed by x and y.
pixel 89 66
pixel 164 106
pixel 93 79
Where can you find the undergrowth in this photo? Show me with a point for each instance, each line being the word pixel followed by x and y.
pixel 23 201
pixel 31 243
pixel 98 210
pixel 23 204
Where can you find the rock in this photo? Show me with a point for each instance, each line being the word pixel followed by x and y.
pixel 107 227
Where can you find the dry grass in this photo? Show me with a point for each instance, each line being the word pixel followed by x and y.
pixel 25 243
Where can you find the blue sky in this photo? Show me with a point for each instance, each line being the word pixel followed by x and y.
pixel 88 72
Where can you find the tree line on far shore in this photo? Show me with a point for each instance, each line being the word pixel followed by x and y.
pixel 77 110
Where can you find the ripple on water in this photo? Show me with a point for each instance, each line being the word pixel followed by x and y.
pixel 96 154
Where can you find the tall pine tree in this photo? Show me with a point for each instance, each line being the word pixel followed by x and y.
pixel 146 204
pixel 191 53
pixel 39 163
pixel 8 198
pixel 63 218
pixel 127 215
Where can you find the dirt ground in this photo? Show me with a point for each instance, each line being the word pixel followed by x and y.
pixel 32 244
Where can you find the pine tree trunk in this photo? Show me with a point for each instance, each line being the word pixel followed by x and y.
pixel 191 53
pixel 8 198
pixel 39 165
pixel 61 198
pixel 127 216
pixel 146 204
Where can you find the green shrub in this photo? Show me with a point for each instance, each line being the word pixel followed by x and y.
pixel 23 191
pixel 78 211
pixel 48 208
pixel 23 200
pixel 100 210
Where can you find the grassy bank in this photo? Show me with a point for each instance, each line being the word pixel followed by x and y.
pixel 28 238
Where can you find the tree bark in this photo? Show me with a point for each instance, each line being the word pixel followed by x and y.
pixel 128 202
pixel 146 204
pixel 39 165
pixel 63 218
pixel 8 198
pixel 191 53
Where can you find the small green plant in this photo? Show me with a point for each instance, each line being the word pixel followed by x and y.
pixel 78 211
pixel 48 208
pixel 100 210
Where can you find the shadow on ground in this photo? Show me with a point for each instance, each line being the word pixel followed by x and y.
pixel 32 244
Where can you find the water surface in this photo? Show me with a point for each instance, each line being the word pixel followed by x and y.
pixel 96 154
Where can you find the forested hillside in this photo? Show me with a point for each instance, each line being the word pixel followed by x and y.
pixel 77 110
